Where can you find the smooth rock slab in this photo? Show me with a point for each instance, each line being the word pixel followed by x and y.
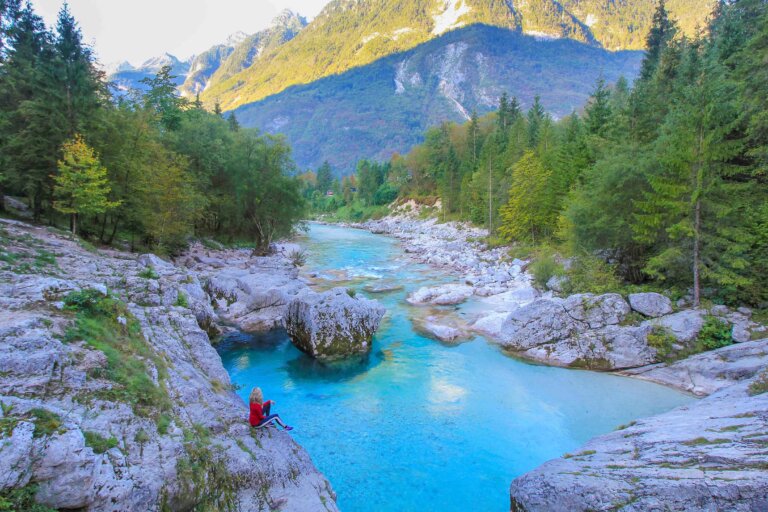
pixel 705 456
pixel 332 325
pixel 684 326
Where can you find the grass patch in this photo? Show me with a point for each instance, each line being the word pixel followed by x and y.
pixel 703 441
pixel 203 473
pixel 125 348
pixel 163 423
pixel 149 273
pixel 181 300
pixel 21 500
pixel 46 422
pixel 98 443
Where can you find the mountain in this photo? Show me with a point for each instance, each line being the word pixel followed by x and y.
pixel 352 33
pixel 128 77
pixel 240 52
pixel 384 107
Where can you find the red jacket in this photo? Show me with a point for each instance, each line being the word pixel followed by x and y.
pixel 257 413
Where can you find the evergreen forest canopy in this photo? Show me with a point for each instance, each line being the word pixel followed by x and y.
pixel 662 184
pixel 151 168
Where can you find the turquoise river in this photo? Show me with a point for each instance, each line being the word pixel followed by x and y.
pixel 419 425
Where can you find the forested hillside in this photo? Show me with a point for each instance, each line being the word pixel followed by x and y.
pixel 146 169
pixel 660 184
pixel 352 33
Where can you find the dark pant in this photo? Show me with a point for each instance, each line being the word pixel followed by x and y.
pixel 271 418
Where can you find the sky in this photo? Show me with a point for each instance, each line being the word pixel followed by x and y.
pixel 135 30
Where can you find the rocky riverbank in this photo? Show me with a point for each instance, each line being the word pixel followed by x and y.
pixel 707 456
pixel 113 397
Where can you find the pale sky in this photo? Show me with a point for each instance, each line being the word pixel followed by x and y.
pixel 135 30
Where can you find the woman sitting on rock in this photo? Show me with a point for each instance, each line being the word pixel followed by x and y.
pixel 260 416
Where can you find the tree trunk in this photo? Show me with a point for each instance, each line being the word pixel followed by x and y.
pixel 74 224
pixel 696 253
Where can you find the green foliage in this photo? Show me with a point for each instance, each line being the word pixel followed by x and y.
pixel 81 186
pixel 127 352
pixel 149 273
pixel 545 266
pixel 155 170
pixel 590 274
pixel 715 334
pixel 662 340
pixel 21 499
pixel 98 443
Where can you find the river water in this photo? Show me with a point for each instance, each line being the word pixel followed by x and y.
pixel 419 425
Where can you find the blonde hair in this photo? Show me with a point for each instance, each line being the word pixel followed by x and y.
pixel 256 396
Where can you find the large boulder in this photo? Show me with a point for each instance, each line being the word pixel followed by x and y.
pixel 684 326
pixel 580 331
pixel 445 295
pixel 650 304
pixel 333 324
pixel 597 311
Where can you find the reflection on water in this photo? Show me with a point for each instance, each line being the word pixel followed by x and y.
pixel 418 425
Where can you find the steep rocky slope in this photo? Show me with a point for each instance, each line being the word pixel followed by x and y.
pixel 113 397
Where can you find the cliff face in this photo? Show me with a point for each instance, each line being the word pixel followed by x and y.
pixel 113 397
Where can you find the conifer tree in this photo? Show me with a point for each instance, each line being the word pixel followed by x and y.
pixel 536 115
pixel 663 30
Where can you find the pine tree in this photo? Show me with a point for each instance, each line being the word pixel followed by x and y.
pixel 80 90
pixel 81 185
pixel 32 131
pixel 663 30
pixel 324 178
pixel 233 123
pixel 536 115
pixel 162 97
pixel 691 212
pixel 598 110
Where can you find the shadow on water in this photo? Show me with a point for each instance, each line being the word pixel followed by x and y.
pixel 301 367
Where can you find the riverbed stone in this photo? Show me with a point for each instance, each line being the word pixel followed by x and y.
pixel 650 304
pixel 334 324
pixel 444 295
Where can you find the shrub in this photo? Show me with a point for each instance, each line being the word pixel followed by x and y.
pixel 297 258
pixel 590 274
pixel 98 443
pixel 351 292
pixel 661 339
pixel 21 499
pixel 714 334
pixel 544 267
